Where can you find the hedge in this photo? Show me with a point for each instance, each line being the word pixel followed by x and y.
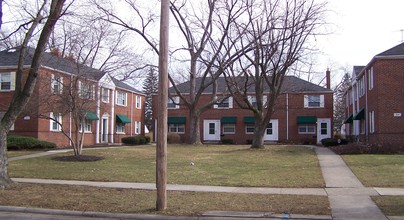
pixel 136 140
pixel 27 143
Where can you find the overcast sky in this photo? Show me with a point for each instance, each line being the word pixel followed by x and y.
pixel 363 29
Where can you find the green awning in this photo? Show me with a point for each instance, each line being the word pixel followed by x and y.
pixel 92 116
pixel 360 115
pixel 306 119
pixel 249 120
pixel 176 120
pixel 349 119
pixel 229 120
pixel 122 119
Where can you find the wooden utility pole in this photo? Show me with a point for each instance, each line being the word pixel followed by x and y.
pixel 161 150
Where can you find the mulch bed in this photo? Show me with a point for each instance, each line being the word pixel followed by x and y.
pixel 78 158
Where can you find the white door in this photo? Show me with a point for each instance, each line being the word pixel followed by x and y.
pixel 323 129
pixel 271 133
pixel 211 130
pixel 104 130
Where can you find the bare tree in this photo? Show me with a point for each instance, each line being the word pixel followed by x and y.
pixel 24 89
pixel 280 31
pixel 340 102
pixel 206 47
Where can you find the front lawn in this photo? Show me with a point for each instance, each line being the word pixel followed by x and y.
pixel 390 205
pixel 274 166
pixel 377 170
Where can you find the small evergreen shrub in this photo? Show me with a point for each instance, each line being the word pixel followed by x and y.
pixel 136 140
pixel 173 138
pixel 227 141
pixel 27 143
pixel 329 142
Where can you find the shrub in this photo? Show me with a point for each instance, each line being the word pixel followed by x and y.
pixel 227 141
pixel 136 140
pixel 27 143
pixel 329 142
pixel 173 138
pixel 359 148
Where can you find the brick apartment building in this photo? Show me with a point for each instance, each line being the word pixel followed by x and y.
pixel 303 114
pixel 374 101
pixel 112 109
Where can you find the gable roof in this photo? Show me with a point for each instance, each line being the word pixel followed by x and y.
pixel 9 59
pixel 124 86
pixel 291 84
pixel 394 51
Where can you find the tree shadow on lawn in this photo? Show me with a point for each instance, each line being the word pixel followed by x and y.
pixel 78 158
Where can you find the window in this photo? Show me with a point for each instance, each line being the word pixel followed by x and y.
pixel 120 98
pixel 105 95
pixel 323 128
pixel 173 102
pixel 7 81
pixel 253 100
pixel 120 128
pixel 87 126
pixel 138 102
pixel 55 121
pixel 138 125
pixel 56 84
pixel 86 91
pixel 372 122
pixel 314 101
pixel 269 130
pixel 307 129
pixel 370 78
pixel 176 128
pixel 249 129
pixel 225 103
pixel 361 87
pixel 229 128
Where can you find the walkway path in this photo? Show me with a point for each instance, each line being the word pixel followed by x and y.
pixel 349 199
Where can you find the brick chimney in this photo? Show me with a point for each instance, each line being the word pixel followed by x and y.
pixel 328 78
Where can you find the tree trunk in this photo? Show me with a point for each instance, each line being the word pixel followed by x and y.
pixel 5 181
pixel 258 137
pixel 195 133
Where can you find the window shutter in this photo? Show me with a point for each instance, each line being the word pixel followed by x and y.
pixel 126 98
pixel 80 93
pixel 265 100
pixel 12 81
pixel 215 105
pixel 93 90
pixel 177 102
pixel 52 82
pixel 61 85
pixel 321 101
pixel 306 101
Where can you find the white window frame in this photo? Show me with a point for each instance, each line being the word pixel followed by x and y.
pixel 173 102
pixel 55 126
pixel 87 126
pixel 138 125
pixel 120 128
pixel 121 98
pixel 307 101
pixel 372 122
pixel 253 100
pixel 249 126
pixel 176 128
pixel 306 127
pixel 225 104
pixel 228 126
pixel 56 84
pixel 138 102
pixel 105 98
pixel 11 81
pixel 370 78
pixel 86 91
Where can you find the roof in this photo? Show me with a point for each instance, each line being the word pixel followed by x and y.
pixel 9 58
pixel 291 84
pixel 125 86
pixel 358 69
pixel 394 51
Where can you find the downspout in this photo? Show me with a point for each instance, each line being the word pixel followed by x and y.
pixel 131 116
pixel 97 127
pixel 112 116
pixel 365 85
pixel 70 114
pixel 287 116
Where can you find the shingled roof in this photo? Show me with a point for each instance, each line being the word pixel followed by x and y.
pixel 9 59
pixel 394 51
pixel 291 84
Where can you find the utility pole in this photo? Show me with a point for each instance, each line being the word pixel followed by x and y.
pixel 161 150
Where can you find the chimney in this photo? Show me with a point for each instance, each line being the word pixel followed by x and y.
pixel 328 78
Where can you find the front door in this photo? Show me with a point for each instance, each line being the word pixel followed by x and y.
pixel 211 130
pixel 323 129
pixel 271 133
pixel 104 130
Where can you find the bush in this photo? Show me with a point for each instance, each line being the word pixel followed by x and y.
pixel 329 142
pixel 136 140
pixel 359 148
pixel 173 138
pixel 27 143
pixel 227 141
